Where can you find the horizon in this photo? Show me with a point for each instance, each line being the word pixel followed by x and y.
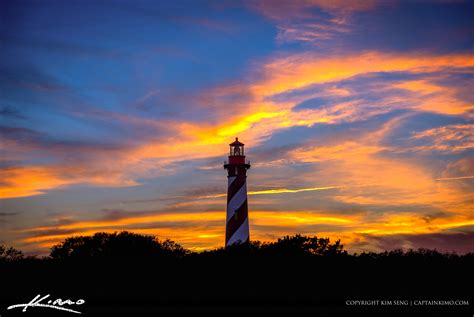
pixel 357 118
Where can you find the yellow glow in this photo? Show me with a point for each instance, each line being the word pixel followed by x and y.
pixel 257 120
pixel 245 123
pixel 205 236
pixel 210 216
pixel 284 190
pixel 296 218
pixel 202 232
pixel 456 224
pixel 261 192
pixel 372 179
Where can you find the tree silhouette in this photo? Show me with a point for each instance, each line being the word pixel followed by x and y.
pixel 297 245
pixel 304 245
pixel 10 254
pixel 125 269
pixel 123 244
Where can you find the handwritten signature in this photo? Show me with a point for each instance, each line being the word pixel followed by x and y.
pixel 56 304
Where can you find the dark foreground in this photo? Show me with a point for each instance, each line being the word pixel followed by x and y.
pixel 246 281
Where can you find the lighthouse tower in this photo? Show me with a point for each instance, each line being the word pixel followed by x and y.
pixel 237 225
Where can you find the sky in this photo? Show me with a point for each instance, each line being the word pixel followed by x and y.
pixel 357 118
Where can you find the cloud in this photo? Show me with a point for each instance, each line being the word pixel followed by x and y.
pixel 67 48
pixel 310 21
pixel 361 173
pixel 27 181
pixel 343 142
pixel 203 230
pixel 461 167
pixel 370 173
pixel 453 138
pixel 283 10
pixel 348 25
pixel 10 112
pixel 4 216
pixel 460 243
pixel 269 105
pixel 24 181
pixel 188 229
pixel 261 116
pixel 18 141
pixel 8 214
pixel 24 79
pixel 301 70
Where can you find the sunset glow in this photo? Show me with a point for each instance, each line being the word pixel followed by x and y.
pixel 357 129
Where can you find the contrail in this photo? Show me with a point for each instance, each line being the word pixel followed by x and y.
pixel 454 178
pixel 284 190
pixel 255 192
pixel 275 191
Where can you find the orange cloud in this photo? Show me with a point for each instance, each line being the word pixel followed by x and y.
pixel 436 99
pixel 301 70
pixel 194 230
pixel 261 118
pixel 27 181
pixel 258 119
pixel 24 181
pixel 199 231
pixel 453 138
pixel 367 176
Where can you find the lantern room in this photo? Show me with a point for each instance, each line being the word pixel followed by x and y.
pixel 237 155
pixel 236 148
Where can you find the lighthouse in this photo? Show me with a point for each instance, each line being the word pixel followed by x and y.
pixel 237 223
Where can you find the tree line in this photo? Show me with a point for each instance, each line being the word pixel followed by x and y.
pixel 126 244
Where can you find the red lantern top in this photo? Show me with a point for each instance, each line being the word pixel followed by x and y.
pixel 237 155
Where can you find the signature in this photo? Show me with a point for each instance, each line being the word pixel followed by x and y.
pixel 56 304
